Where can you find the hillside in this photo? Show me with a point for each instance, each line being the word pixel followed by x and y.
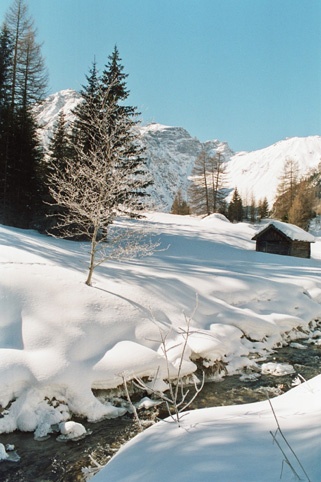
pixel 258 172
pixel 60 338
pixel 171 154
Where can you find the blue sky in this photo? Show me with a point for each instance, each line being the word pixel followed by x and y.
pixel 243 71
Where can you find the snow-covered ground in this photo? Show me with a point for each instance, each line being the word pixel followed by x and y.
pixel 229 444
pixel 60 338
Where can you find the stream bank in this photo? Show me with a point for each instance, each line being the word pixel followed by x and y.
pixel 54 461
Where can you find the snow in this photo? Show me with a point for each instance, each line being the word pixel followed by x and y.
pixel 60 338
pixel 231 443
pixel 258 172
pixel 291 231
pixel 171 153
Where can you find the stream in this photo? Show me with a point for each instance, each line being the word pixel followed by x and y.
pixel 54 461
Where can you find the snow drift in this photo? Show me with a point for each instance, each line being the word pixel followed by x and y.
pixel 60 338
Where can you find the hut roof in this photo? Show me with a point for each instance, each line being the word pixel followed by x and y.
pixel 292 232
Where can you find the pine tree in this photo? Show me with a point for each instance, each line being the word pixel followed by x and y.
pixel 91 93
pixel 106 176
pixel 59 154
pixel 235 209
pixel 114 82
pixel 127 151
pixel 60 144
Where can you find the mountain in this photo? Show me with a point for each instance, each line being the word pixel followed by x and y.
pixel 48 111
pixel 258 172
pixel 171 153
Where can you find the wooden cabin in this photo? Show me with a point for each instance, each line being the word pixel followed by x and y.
pixel 285 239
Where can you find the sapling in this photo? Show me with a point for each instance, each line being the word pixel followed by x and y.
pixel 176 400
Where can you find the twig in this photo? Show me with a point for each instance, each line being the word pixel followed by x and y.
pixel 287 443
pixel 132 405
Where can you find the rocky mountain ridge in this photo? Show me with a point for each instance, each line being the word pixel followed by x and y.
pixel 171 153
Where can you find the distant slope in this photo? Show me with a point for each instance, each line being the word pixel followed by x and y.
pixel 258 172
pixel 171 154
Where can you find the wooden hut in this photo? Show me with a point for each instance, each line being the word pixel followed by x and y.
pixel 284 238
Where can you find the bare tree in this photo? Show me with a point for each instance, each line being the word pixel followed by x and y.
pixel 286 190
pixel 28 73
pixel 99 184
pixel 206 192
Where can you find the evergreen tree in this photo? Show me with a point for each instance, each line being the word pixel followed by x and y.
pixel 60 144
pixel 82 132
pixel 22 184
pixel 114 82
pixel 5 67
pixel 59 153
pixel 235 209
pixel 106 176
pixel 126 151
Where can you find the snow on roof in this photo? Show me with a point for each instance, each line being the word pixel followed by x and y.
pixel 290 230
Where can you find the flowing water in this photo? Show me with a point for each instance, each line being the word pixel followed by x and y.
pixel 54 461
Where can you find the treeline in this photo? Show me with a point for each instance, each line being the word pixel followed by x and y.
pixel 208 193
pixel 297 200
pixel 23 81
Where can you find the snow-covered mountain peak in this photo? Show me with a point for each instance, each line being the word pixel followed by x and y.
pixel 47 112
pixel 171 153
pixel 258 172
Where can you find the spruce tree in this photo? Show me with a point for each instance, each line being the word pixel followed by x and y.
pixel 82 132
pixel 127 151
pixel 235 209
pixel 59 154
pixel 106 176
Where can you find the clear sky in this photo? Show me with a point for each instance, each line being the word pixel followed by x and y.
pixel 243 71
